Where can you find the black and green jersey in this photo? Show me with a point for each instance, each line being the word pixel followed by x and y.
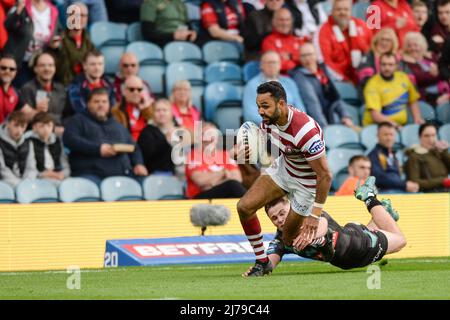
pixel 347 247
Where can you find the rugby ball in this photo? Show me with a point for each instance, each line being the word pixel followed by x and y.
pixel 252 137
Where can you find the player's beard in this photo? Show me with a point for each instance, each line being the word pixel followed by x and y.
pixel 274 118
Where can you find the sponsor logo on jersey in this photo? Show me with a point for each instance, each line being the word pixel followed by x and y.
pixel 316 147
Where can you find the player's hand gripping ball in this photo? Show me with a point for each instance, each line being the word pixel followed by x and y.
pixel 252 145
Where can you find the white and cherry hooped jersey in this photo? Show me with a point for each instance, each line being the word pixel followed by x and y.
pixel 300 140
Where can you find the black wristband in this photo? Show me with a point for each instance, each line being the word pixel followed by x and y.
pixel 372 202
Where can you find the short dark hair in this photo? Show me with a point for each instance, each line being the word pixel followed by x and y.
pixel 42 117
pixel 274 88
pixel 426 125
pixel 385 124
pixel 19 117
pixel 97 92
pixel 273 203
pixel 389 55
pixel 441 3
pixel 7 56
pixel 92 53
pixel 35 58
pixel 357 158
pixel 419 3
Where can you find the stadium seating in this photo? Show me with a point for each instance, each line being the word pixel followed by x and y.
pixel 220 94
pixel 359 10
pixel 426 110
pixel 338 159
pixel 152 65
pixel 6 193
pixel 183 71
pixel 162 187
pixel 134 32
pixel 35 191
pixel 443 113
pixel 112 57
pixel 120 189
pixel 220 51
pixel 108 33
pixel 194 16
pixel 250 70
pixel 410 134
pixel 339 179
pixel 340 136
pixel 228 118
pixel 223 71
pixel 147 53
pixel 444 132
pixel 354 113
pixel 78 190
pixel 178 51
pixel 348 92
pixel 368 137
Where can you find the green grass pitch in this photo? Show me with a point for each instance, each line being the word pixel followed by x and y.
pixel 424 278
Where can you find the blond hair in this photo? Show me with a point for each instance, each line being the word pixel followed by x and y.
pixel 179 84
pixel 385 31
pixel 415 36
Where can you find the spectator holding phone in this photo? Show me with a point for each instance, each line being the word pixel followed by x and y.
pixel 43 94
pixel 135 109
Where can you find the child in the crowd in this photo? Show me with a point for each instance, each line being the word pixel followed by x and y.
pixel 51 161
pixel 17 161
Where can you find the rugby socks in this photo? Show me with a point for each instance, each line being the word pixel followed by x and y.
pixel 252 229
pixel 372 202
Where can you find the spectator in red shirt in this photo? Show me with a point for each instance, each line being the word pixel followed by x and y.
pixel 283 41
pixel 223 19
pixel 342 41
pixel 5 5
pixel 9 99
pixel 184 112
pixel 210 172
pixel 441 31
pixel 396 14
pixel 135 110
pixel 128 66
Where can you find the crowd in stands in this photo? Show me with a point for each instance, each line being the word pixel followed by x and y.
pixel 65 113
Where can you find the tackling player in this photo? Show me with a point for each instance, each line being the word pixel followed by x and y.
pixel 301 171
pixel 351 246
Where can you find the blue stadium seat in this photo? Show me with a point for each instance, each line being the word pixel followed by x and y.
pixel 359 10
pixel 220 51
pixel 161 187
pixel 400 155
pixel 228 118
pixel 147 53
pixel 6 193
pixel 348 92
pixel 178 51
pixel 338 180
pixel 354 113
pixel 410 134
pixel 338 159
pixel 444 132
pixel 134 32
pixel 183 71
pixel 108 33
pixel 223 71
pixel 112 55
pixel 368 137
pixel 34 191
pixel 340 136
pixel 120 189
pixel 443 113
pixel 426 110
pixel 220 94
pixel 250 70
pixel 78 190
pixel 152 64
